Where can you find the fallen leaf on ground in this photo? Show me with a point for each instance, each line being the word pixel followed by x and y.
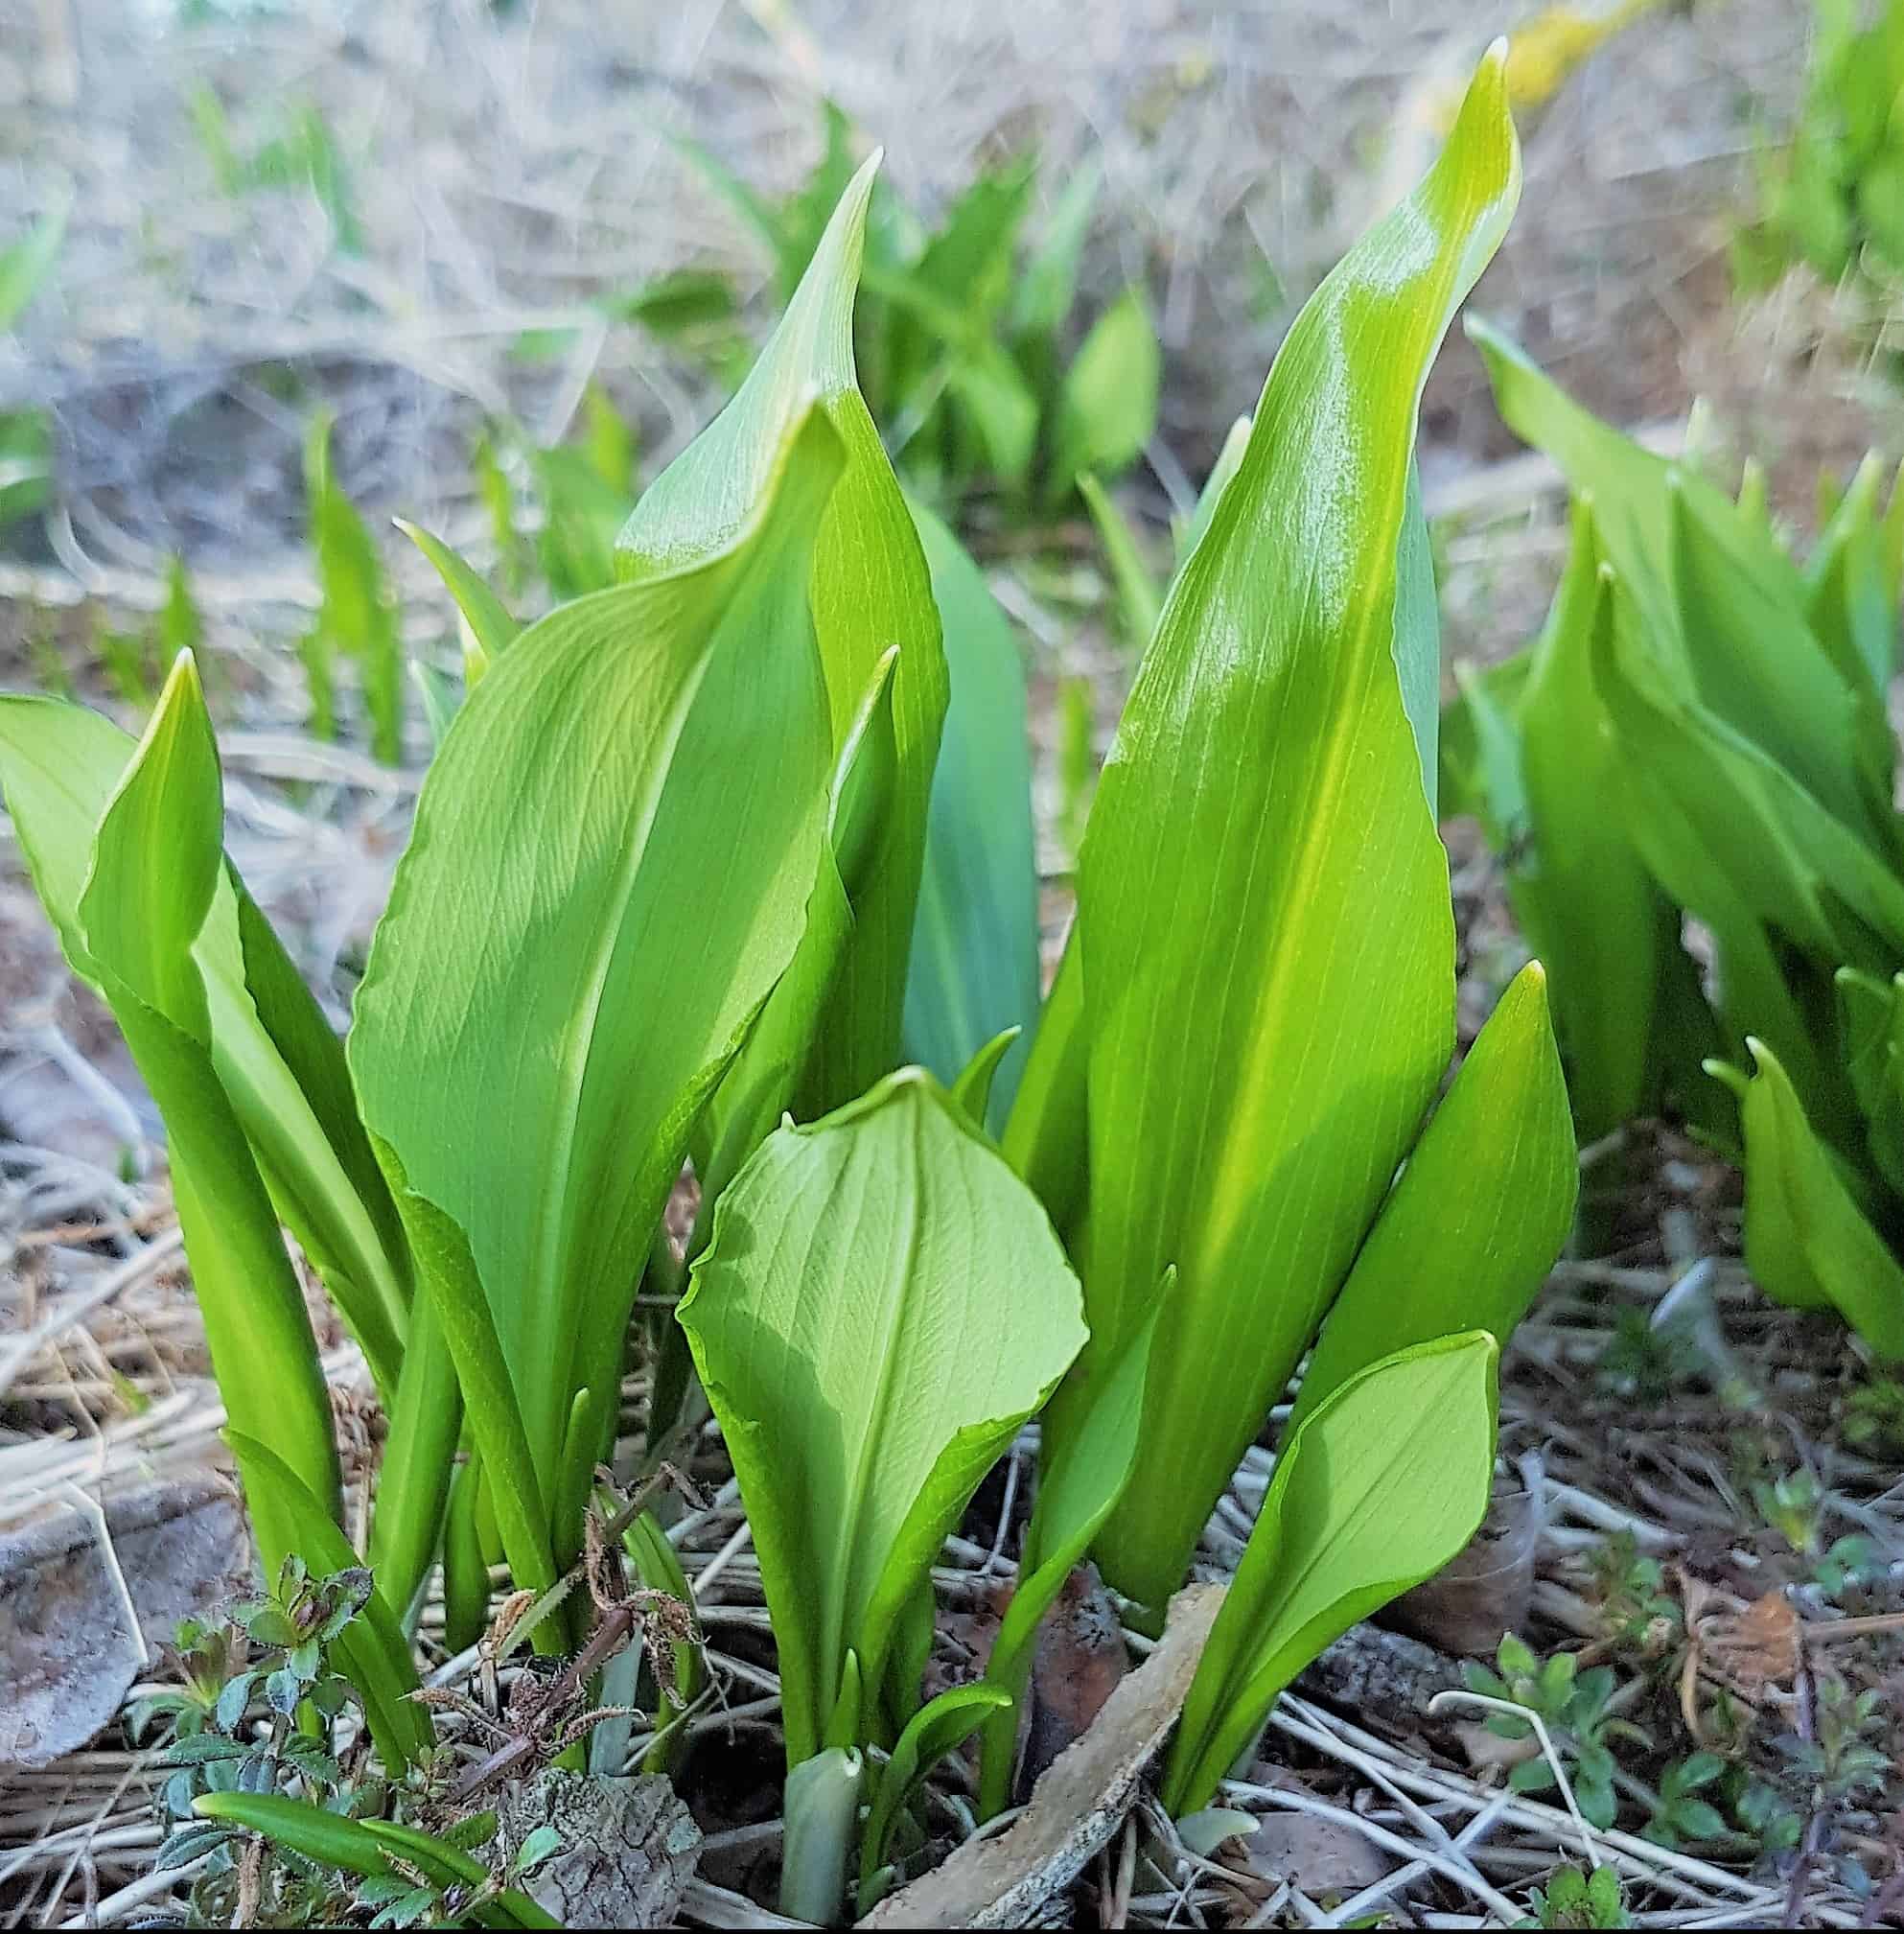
pixel 1077 1806
pixel 66 1657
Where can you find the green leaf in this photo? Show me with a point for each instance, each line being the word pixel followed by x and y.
pixel 465 1572
pixel 933 1732
pixel 1229 460
pixel 132 900
pixel 1482 1207
pixel 1584 895
pixel 517 1492
pixel 820 1808
pixel 489 630
pixel 972 1090
pixel 1107 406
pixel 1808 1243
pixel 892 1224
pixel 658 1565
pixel 1263 929
pixel 870 590
pixel 1079 1482
pixel 975 942
pixel 1380 1487
pixel 656 745
pixel 356 615
pixel 1871 1027
pixel 1722 611
pixel 413 1478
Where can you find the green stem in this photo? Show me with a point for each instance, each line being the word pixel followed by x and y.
pixel 821 1809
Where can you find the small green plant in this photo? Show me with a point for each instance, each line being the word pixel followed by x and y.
pixel 1573 1899
pixel 1629 1586
pixel 1574 1705
pixel 962 333
pixel 1700 732
pixel 1874 1417
pixel 302 154
pixel 1683 1814
pixel 1833 198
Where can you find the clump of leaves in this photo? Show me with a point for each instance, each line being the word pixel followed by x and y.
pixel 1573 1706
pixel 258 1714
pixel 1231 1146
pixel 1640 1614
pixel 301 153
pixel 1700 693
pixel 1833 198
pixel 1683 1814
pixel 1793 1505
pixel 1873 1418
pixel 1574 1898
pixel 964 333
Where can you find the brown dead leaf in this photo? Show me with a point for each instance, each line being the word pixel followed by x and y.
pixel 1320 1856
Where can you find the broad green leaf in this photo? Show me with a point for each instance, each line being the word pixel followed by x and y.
pixel 932 1734
pixel 975 941
pixel 650 747
pixel 488 621
pixel 870 590
pixel 1107 406
pixel 1481 1211
pixel 1808 1243
pixel 280 1065
pixel 1266 939
pixel 882 1306
pixel 1139 596
pixel 156 867
pixel 1079 1482
pixel 376 1655
pixel 24 266
pixel 1381 1485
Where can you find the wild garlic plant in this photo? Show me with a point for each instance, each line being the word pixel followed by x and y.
pixel 704 864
